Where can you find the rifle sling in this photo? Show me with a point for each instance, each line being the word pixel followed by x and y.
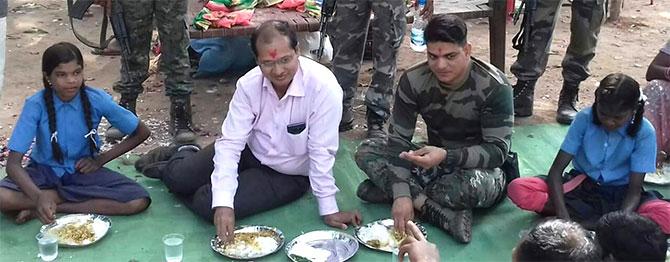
pixel 104 41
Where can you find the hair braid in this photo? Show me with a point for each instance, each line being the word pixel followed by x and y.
pixel 86 104
pixel 51 112
pixel 637 121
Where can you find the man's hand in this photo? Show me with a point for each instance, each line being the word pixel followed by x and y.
pixel 46 209
pixel 426 157
pixel 224 220
pixel 342 218
pixel 427 11
pixel 402 211
pixel 416 246
pixel 87 165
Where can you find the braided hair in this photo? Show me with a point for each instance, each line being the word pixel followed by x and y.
pixel 619 92
pixel 53 56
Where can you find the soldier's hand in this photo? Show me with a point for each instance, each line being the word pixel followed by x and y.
pixel 402 211
pixel 426 157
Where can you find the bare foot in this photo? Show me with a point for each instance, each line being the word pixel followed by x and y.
pixel 24 216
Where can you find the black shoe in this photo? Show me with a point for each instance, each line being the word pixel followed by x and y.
pixel 180 120
pixel 523 97
pixel 347 121
pixel 457 223
pixel 375 125
pixel 567 103
pixel 369 192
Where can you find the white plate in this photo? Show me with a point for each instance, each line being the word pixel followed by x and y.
pixel 661 177
pixel 262 246
pixel 100 225
pixel 322 246
pixel 380 231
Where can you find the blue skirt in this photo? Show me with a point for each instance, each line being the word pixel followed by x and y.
pixel 103 183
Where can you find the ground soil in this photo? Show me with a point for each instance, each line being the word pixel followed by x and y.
pixel 626 46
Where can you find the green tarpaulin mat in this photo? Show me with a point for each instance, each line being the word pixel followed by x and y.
pixel 138 237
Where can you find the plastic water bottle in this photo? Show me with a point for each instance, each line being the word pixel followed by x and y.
pixel 417 43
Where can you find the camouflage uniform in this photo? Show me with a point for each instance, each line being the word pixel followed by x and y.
pixel 473 123
pixel 139 16
pixel 587 17
pixel 349 32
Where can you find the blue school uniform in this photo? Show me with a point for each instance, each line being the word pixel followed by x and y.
pixel 608 158
pixel 47 173
pixel 71 127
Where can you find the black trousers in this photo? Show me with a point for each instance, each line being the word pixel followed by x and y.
pixel 260 188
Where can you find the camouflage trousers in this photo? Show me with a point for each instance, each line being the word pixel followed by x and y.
pixel 456 188
pixel 348 32
pixel 587 17
pixel 139 16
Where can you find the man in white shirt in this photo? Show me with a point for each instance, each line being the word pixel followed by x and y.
pixel 278 140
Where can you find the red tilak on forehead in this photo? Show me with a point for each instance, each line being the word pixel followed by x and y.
pixel 439 50
pixel 273 53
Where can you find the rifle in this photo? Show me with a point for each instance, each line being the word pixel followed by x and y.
pixel 327 10
pixel 77 10
pixel 521 40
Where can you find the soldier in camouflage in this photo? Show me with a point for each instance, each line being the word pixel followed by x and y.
pixel 349 32
pixel 587 17
pixel 169 17
pixel 468 109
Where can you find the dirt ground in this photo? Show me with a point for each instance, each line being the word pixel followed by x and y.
pixel 627 46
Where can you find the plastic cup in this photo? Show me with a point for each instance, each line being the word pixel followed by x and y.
pixel 174 247
pixel 47 245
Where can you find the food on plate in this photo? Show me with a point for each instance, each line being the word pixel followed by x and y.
pixel 251 244
pixel 75 232
pixel 302 252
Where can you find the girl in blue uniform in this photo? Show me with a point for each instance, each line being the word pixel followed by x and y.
pixel 65 172
pixel 611 147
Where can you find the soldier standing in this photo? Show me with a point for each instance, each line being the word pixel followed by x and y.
pixel 468 109
pixel 169 17
pixel 587 17
pixel 349 33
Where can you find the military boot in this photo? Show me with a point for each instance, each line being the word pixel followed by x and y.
pixel 567 103
pixel 523 97
pixel 375 125
pixel 113 134
pixel 347 121
pixel 369 192
pixel 180 120
pixel 457 223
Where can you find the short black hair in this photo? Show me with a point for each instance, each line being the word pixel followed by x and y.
pixel 267 31
pixel 558 240
pixel 446 28
pixel 627 236
pixel 617 93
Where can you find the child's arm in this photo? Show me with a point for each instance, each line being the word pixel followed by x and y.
pixel 634 192
pixel 45 206
pixel 556 183
pixel 88 165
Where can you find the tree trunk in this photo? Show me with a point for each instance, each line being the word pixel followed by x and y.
pixel 615 10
